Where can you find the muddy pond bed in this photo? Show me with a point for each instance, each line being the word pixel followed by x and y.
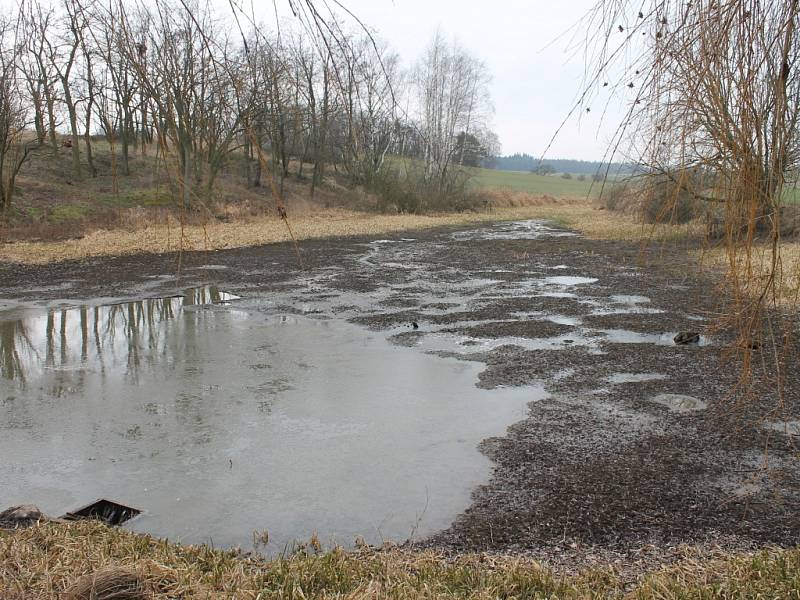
pixel 510 387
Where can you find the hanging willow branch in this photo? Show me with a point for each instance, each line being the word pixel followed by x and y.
pixel 711 96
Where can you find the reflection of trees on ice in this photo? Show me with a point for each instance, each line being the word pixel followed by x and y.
pixel 129 333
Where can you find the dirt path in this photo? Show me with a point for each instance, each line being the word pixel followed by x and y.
pixel 637 450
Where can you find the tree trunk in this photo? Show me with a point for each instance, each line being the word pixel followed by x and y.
pixel 124 147
pixel 73 124
pixel 51 117
pixel 187 175
pixel 87 136
pixel 38 118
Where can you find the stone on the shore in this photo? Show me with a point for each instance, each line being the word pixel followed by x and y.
pixel 21 515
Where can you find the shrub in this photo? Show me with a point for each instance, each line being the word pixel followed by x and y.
pixel 655 198
pixel 396 192
pixel 409 191
pixel 667 199
pixel 620 197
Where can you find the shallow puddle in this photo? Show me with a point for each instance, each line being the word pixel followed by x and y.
pixel 437 342
pixel 790 428
pixel 563 295
pixel 629 299
pixel 623 336
pixel 680 403
pixel 518 230
pixel 619 378
pixel 568 281
pixel 623 304
pixel 221 421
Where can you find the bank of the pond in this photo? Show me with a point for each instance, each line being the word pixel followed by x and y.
pixel 49 560
pixel 580 215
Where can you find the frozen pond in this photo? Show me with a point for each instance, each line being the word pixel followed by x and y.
pixel 218 420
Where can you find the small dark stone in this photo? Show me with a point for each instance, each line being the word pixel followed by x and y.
pixel 415 325
pixel 686 337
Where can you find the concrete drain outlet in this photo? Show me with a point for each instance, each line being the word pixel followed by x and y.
pixel 111 513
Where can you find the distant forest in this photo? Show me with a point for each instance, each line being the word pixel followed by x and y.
pixel 526 162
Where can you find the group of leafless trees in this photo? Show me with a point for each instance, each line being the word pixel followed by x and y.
pixel 208 92
pixel 715 89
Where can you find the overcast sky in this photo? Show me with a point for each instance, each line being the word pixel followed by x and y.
pixel 535 78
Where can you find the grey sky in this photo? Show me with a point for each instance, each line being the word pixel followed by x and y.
pixel 535 81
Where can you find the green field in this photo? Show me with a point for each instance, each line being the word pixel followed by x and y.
pixel 521 181
pixel 555 185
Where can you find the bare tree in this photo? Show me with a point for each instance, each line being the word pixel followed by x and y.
pixel 187 71
pixel 35 27
pixel 88 54
pixel 35 81
pixel 15 149
pixel 452 97
pixel 373 131
pixel 62 55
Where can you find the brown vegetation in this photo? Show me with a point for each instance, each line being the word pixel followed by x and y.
pixel 505 198
pixel 169 235
pixel 109 583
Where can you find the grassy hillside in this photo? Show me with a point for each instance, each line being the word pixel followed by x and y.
pixel 517 181
pixel 520 181
pixel 50 203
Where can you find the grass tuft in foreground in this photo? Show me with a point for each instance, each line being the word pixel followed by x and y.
pixel 46 560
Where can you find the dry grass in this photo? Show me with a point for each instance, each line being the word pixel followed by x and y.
pixel 110 583
pixel 44 561
pixel 168 236
pixel 597 223
pixel 756 272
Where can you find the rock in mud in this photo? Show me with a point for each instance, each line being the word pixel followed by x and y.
pixel 686 337
pixel 20 516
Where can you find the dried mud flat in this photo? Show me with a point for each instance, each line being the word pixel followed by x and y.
pixel 641 446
